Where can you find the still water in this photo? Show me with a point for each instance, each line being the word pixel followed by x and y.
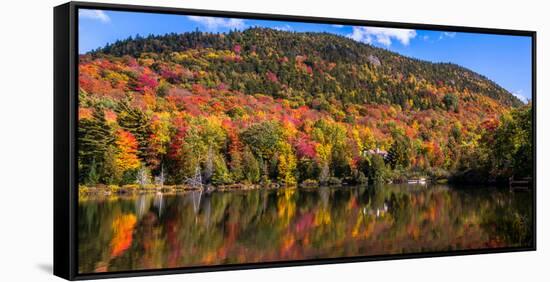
pixel 120 233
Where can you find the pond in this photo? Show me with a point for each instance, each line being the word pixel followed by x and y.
pixel 152 231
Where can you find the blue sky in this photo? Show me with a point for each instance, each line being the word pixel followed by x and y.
pixel 505 59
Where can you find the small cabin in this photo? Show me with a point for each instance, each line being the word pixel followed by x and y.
pixel 376 151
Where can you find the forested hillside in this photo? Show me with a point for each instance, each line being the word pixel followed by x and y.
pixel 329 65
pixel 262 106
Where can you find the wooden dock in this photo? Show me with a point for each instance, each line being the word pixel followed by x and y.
pixel 520 184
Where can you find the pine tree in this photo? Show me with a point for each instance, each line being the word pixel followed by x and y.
pixel 94 138
pixel 136 122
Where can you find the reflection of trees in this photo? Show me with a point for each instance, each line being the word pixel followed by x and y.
pixel 286 205
pixel 322 216
pixel 511 220
pixel 123 227
pixel 269 225
pixel 97 233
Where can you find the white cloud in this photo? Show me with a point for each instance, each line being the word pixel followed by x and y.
pixel 447 34
pixel 520 95
pixel 425 38
pixel 337 25
pixel 382 35
pixel 213 23
pixel 285 27
pixel 450 34
pixel 98 15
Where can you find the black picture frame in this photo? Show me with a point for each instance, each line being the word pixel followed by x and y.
pixel 65 141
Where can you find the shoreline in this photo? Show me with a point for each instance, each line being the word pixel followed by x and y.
pixel 130 189
pixel 150 188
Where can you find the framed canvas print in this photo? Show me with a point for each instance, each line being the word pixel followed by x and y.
pixel 193 140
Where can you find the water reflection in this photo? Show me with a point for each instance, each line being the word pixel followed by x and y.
pixel 195 228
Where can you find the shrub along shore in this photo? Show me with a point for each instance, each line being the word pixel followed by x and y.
pixel 103 189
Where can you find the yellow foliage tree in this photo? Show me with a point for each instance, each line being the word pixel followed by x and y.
pixel 287 163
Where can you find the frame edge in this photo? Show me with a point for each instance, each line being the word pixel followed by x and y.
pixel 63 253
pixel 65 60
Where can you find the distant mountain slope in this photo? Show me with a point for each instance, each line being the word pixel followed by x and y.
pixel 311 68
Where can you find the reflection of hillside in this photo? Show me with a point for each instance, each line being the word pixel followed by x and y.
pixel 290 224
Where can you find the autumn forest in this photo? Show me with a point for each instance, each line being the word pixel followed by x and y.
pixel 262 108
